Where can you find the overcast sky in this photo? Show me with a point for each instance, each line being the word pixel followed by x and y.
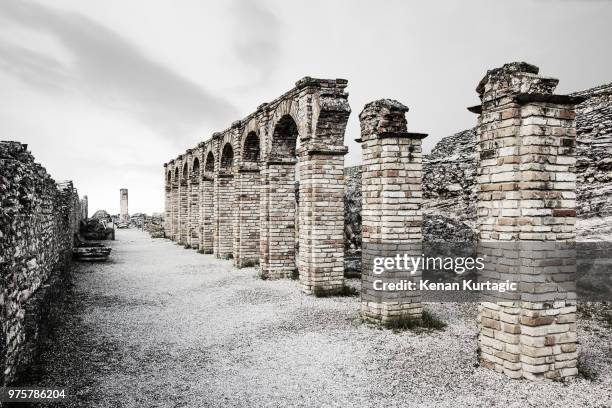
pixel 106 91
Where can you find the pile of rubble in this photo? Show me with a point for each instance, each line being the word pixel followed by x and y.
pixel 97 229
pixel 154 225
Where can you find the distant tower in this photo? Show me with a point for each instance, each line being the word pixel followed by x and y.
pixel 123 208
pixel 84 208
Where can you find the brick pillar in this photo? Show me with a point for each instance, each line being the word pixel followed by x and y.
pixel 183 204
pixel 175 200
pixel 278 220
pixel 224 205
pixel 391 212
pixel 207 219
pixel 321 219
pixel 246 215
pixel 167 202
pixel 194 210
pixel 526 205
pixel 264 222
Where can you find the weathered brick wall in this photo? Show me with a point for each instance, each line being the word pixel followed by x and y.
pixel 38 219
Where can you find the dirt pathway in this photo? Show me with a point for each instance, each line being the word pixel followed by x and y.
pixel 162 326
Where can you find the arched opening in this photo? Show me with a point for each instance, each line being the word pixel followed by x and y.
pixel 284 140
pixel 207 239
pixel 194 205
pixel 185 172
pixel 209 166
pixel 247 204
pixel 282 202
pixel 251 148
pixel 224 204
pixel 169 177
pixel 227 157
pixel 195 169
pixel 184 206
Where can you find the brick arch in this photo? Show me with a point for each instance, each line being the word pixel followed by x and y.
pixel 251 148
pixel 227 157
pixel 195 167
pixel 306 125
pixel 209 163
pixel 285 135
pixel 185 172
pixel 288 108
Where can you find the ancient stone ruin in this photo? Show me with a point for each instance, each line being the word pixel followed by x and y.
pixel 124 215
pixel 234 195
pixel 272 190
pixel 526 189
pixel 38 220
pixel 510 179
pixel 391 214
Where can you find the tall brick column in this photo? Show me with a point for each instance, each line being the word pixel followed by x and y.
pixel 526 206
pixel 224 192
pixel 207 235
pixel 184 199
pixel 175 199
pixel 194 202
pixel 321 218
pixel 391 212
pixel 277 239
pixel 224 201
pixel 246 215
pixel 167 201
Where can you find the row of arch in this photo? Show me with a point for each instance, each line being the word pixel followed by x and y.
pixel 235 194
pixel 251 155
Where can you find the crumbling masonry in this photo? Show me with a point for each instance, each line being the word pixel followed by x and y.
pixel 391 206
pixel 38 220
pixel 234 194
pixel 526 204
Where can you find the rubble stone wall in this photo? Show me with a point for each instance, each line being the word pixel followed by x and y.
pixel 38 219
pixel 449 182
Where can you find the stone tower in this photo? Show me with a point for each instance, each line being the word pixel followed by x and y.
pixel 123 205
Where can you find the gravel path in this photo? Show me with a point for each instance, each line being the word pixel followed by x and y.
pixel 162 326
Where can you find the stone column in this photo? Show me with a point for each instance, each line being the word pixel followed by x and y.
pixel 246 216
pixel 175 199
pixel 224 203
pixel 526 206
pixel 85 207
pixel 167 203
pixel 207 235
pixel 321 219
pixel 124 215
pixel 194 209
pixel 391 212
pixel 277 238
pixel 183 202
